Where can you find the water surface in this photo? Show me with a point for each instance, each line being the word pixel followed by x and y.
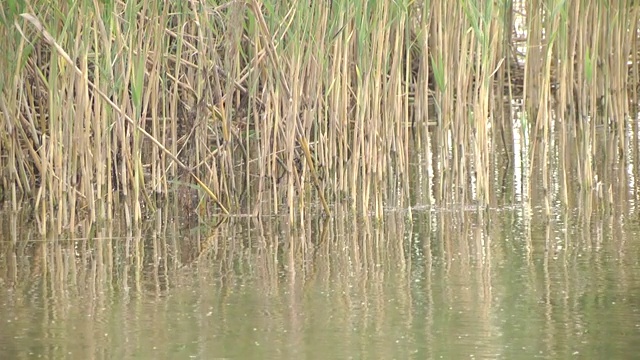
pixel 499 284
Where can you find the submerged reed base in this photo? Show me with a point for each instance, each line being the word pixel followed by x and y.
pixel 280 107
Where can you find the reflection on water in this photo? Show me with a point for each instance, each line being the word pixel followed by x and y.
pixel 448 281
pixel 505 283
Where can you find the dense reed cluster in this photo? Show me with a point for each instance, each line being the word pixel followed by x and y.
pixel 249 107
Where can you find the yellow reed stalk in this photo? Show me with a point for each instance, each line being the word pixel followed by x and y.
pixel 51 41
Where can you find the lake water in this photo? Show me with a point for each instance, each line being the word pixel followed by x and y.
pixel 522 279
pixel 506 283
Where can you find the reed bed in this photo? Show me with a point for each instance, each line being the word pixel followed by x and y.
pixel 278 107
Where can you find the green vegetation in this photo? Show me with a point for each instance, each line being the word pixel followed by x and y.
pixel 276 106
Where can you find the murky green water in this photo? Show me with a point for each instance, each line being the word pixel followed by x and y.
pixel 502 284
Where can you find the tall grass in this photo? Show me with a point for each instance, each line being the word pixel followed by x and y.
pixel 279 107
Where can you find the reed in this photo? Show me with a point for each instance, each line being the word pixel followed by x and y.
pixel 279 107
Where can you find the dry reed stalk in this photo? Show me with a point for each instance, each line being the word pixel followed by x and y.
pixel 291 103
pixel 335 149
pixel 533 67
pixel 438 55
pixel 422 96
pixel 129 120
pixel 617 63
pixel 488 34
pixel 564 74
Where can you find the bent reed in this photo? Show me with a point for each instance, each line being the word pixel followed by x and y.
pixel 249 107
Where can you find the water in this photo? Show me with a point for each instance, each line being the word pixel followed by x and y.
pixel 503 284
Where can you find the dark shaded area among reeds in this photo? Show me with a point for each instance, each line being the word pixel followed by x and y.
pixel 249 107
